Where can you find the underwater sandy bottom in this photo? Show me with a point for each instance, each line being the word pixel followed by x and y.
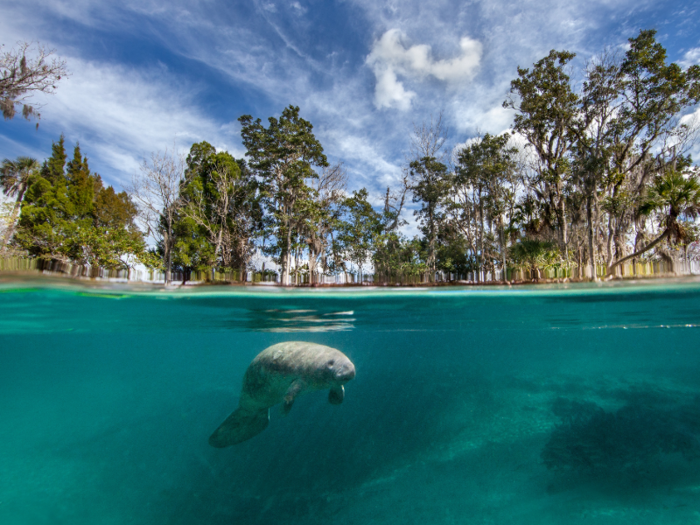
pixel 479 463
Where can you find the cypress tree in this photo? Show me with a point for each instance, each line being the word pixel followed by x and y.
pixel 54 166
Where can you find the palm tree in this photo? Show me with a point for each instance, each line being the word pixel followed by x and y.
pixel 534 254
pixel 14 181
pixel 678 196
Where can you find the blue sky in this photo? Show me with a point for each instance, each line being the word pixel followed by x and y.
pixel 151 74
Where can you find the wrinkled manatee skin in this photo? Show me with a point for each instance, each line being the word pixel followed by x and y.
pixel 279 374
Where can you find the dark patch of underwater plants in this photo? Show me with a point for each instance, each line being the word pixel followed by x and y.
pixel 630 440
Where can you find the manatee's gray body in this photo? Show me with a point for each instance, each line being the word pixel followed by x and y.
pixel 278 375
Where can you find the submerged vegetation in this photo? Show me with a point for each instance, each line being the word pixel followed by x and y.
pixel 604 177
pixel 627 441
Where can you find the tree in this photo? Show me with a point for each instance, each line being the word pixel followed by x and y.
pixel 25 71
pixel 398 259
pixel 156 192
pixel 534 254
pixel 429 186
pixel 68 215
pixel 323 218
pixel 15 177
pixel 483 191
pixel 220 202
pixel 191 250
pixel 283 156
pixel 546 109
pixel 676 194
pixel 44 229
pixel 592 151
pixel 645 136
pixel 360 229
pixel 114 227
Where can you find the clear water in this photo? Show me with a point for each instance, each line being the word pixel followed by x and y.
pixel 543 405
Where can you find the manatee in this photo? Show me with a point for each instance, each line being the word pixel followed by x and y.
pixel 279 374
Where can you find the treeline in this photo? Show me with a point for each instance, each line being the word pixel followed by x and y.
pixel 214 212
pixel 592 174
pixel 611 176
pixel 605 175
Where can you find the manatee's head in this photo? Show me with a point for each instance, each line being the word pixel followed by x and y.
pixel 339 368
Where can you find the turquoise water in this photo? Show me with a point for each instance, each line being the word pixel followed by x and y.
pixel 482 406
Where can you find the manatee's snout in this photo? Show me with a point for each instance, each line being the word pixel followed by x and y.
pixel 345 372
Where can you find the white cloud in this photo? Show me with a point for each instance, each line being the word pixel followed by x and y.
pixel 121 115
pixel 369 160
pixel 390 57
pixel 301 9
pixel 692 120
pixel 274 62
pixel 691 57
pixel 389 92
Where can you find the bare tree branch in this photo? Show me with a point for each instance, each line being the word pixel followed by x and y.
pixel 428 140
pixel 24 71
pixel 156 192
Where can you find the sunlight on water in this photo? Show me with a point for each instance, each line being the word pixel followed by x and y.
pixel 569 404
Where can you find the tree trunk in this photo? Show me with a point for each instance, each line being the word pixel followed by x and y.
pixel 481 240
pixel 503 248
pixel 579 266
pixel 286 257
pixel 312 264
pixel 431 248
pixel 591 236
pixel 167 252
pixel 609 256
pixel 13 218
pixel 563 226
pixel 619 248
pixel 666 256
pixel 648 247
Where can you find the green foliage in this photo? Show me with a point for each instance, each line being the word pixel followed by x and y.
pixel 430 186
pixel 675 194
pixel 453 255
pixel 70 216
pixel 659 91
pixel 220 211
pixel 192 251
pixel 282 157
pixel 359 231
pixel 482 201
pixel 397 259
pixel 546 108
pixel 15 175
pixel 535 255
pixel 604 163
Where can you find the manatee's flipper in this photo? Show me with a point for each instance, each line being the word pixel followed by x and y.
pixel 336 395
pixel 239 426
pixel 291 394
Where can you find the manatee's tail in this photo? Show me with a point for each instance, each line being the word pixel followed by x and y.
pixel 239 426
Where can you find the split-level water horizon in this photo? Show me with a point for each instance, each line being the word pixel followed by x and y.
pixel 546 404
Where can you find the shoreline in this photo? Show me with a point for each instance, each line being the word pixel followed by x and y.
pixel 58 278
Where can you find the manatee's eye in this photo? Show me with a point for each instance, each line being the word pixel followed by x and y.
pixel 330 363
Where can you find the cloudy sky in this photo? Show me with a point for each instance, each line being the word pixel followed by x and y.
pixel 153 74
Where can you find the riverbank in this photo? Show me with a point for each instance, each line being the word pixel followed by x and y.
pixel 51 279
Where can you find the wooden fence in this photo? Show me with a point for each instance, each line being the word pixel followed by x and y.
pixel 558 273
